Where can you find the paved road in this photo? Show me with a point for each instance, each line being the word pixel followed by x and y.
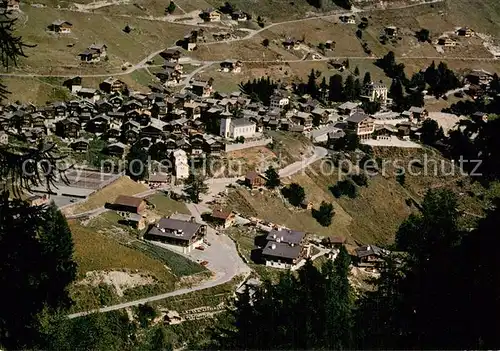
pixel 319 153
pixel 222 254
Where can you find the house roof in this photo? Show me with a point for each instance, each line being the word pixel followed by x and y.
pixel 357 117
pixel 415 109
pixel 220 214
pixel 130 201
pixel 286 236
pixel 281 250
pixel 369 250
pixel 242 122
pixel 61 22
pixel 253 175
pixel 348 105
pixel 175 228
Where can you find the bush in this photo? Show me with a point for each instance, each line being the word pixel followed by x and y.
pixel 294 193
pixel 360 179
pixel 324 215
pixel 344 187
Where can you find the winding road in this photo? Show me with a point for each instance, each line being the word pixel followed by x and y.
pixel 142 64
pixel 222 254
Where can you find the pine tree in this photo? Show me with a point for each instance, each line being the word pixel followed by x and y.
pixel 356 71
pixel 349 89
pixel 335 88
pixel 272 178
pixel 367 79
pixel 312 88
pixel 195 186
pixel 137 162
pixel 358 89
pixel 57 247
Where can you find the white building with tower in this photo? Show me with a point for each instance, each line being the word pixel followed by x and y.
pixel 233 128
pixel 279 100
pixel 180 164
pixel 376 91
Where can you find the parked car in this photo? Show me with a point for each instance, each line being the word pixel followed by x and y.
pixel 201 248
pixel 204 263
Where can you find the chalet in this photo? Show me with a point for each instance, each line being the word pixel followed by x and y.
pixel 125 203
pixel 131 135
pixel 348 19
pixel 279 99
pixel 333 137
pixel 211 15
pixel 89 93
pixel 197 144
pixel 219 36
pixel 193 110
pixel 418 113
pixel 158 179
pixel 179 235
pixel 103 106
pixel 176 66
pixel 302 118
pixel 361 124
pixel 321 114
pixel 369 256
pixel 334 242
pixel 60 109
pixel 479 77
pixel 447 41
pixel 112 85
pixel 222 219
pixel 213 146
pixel 116 149
pixel 239 16
pixel 231 66
pixel 80 145
pixel 348 108
pixel 61 27
pixel 171 55
pixel 290 44
pixel 99 124
pixel 285 249
pixel 116 100
pixel 203 89
pixel 95 53
pixel 465 32
pixel 169 77
pixel 254 180
pixel 391 31
pixel 68 128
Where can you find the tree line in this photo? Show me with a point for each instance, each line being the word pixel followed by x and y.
pixel 441 293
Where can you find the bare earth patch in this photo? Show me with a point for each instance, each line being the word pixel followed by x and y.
pixel 120 280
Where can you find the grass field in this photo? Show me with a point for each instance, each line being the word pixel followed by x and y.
pixel 122 186
pixel 95 251
pixel 165 206
pixel 52 54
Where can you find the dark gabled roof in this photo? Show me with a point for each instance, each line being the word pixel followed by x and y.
pixel 369 250
pixel 130 201
pixel 358 117
pixel 286 236
pixel 220 214
pixel 175 228
pixel 281 250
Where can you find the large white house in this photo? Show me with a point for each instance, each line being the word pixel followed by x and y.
pixel 376 91
pixel 237 127
pixel 279 100
pixel 180 164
